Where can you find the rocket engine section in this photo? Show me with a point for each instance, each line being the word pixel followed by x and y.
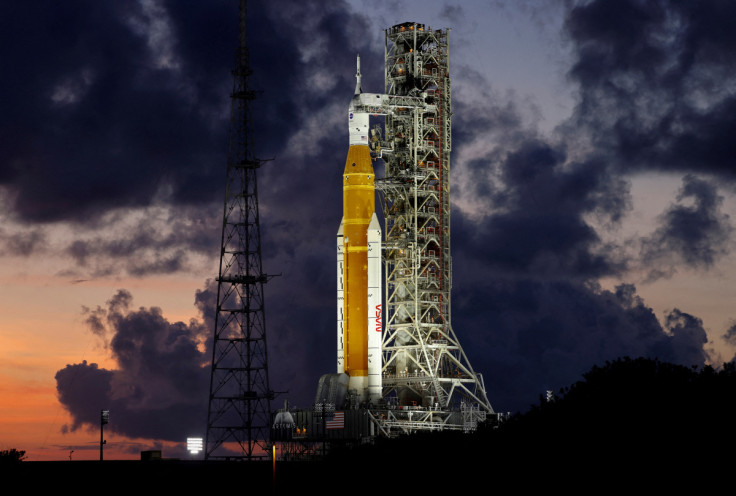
pixel 359 312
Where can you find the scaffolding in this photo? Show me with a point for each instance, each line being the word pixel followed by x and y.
pixel 424 366
pixel 428 383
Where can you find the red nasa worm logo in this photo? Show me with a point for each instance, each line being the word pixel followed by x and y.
pixel 378 318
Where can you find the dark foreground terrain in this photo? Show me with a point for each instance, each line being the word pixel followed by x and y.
pixel 630 426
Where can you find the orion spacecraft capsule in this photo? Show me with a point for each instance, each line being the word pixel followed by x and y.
pixel 359 312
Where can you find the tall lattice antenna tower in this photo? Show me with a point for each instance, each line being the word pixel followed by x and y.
pixel 424 364
pixel 239 400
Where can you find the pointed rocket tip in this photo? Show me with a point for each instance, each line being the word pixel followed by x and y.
pixel 374 228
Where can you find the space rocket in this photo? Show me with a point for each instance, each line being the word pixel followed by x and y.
pixel 359 309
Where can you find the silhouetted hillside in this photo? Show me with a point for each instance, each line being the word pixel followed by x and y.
pixel 630 423
pixel 636 400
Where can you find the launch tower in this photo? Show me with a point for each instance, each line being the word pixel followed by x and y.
pixel 238 420
pixel 424 380
pixel 424 366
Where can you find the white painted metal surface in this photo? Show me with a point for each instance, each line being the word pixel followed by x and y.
pixel 375 312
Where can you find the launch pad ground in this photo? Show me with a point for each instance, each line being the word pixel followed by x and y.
pixel 443 463
pixel 313 434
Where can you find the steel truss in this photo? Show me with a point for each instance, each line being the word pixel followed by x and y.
pixel 238 419
pixel 423 363
pixel 408 420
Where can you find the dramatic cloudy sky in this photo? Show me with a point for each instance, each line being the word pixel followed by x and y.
pixel 593 187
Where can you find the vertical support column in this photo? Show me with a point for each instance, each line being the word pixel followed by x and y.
pixel 421 352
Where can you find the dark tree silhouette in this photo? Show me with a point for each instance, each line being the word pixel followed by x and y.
pixel 12 455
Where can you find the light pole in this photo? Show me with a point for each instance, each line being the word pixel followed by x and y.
pixel 104 419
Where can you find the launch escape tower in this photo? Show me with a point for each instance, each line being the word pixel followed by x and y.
pixel 239 398
pixel 424 365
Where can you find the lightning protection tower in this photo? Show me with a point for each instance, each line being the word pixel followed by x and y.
pixel 424 364
pixel 239 413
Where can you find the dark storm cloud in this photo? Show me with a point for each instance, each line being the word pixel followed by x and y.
pixel 295 88
pixel 23 243
pixel 132 110
pixel 95 320
pixel 205 300
pixel 696 233
pixel 84 389
pixel 303 59
pixel 540 201
pixel 159 243
pixel 159 387
pixel 687 339
pixel 83 251
pixel 654 94
pixel 110 116
pixel 525 304
pixel 477 106
pixel 730 336
pixel 301 318
pixel 538 225
pixel 527 336
pixel 131 105
pixel 655 79
pixel 525 308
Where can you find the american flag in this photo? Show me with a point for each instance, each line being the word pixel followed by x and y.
pixel 337 421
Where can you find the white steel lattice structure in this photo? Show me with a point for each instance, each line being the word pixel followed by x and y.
pixel 424 365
